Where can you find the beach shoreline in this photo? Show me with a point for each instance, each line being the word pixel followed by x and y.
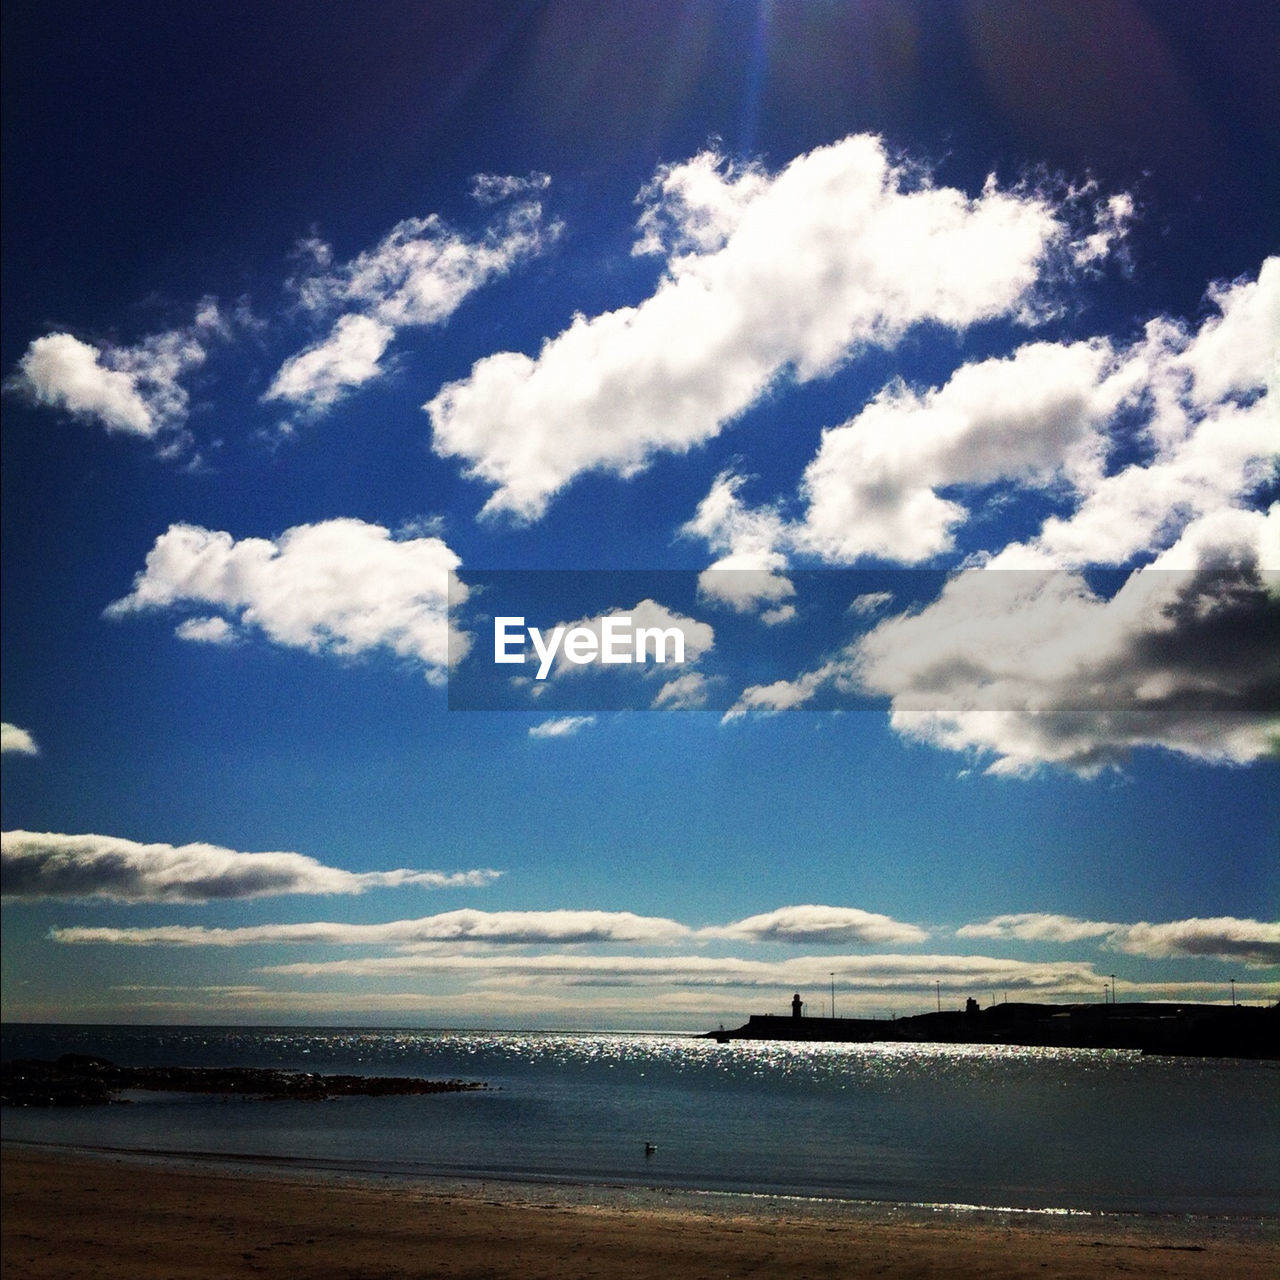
pixel 69 1213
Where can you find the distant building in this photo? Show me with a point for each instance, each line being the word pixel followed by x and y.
pixel 796 1005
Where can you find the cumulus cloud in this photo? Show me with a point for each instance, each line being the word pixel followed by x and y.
pixel 342 586
pixel 49 865
pixel 694 206
pixel 1210 432
pixel 1252 942
pixel 418 275
pixel 135 390
pixel 62 371
pixel 1036 668
pixel 899 479
pixel 684 693
pixel 561 726
pixel 806 925
pixel 746 577
pixel 206 631
pixel 16 741
pixel 768 277
pixel 1034 417
pixel 749 583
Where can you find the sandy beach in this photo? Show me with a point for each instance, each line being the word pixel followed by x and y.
pixel 69 1216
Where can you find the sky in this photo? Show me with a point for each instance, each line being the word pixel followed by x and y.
pixel 908 368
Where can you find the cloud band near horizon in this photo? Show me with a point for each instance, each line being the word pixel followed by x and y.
pixel 1251 942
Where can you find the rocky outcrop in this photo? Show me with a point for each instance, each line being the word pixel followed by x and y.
pixel 80 1080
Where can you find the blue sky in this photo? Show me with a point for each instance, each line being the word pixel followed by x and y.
pixel 917 362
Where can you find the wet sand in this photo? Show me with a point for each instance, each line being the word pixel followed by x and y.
pixel 70 1216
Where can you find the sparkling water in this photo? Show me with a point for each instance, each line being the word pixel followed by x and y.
pixel 997 1126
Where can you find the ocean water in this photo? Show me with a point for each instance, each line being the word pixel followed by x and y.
pixel 1002 1127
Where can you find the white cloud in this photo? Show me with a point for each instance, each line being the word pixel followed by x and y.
pixel 561 726
pixel 791 695
pixel 870 602
pixel 505 977
pixel 746 578
pixel 768 278
pixel 1113 217
pixel 1034 417
pixel 893 482
pixel 1037 926
pixel 746 583
pixel 510 928
pixel 421 271
pixel 62 371
pixel 418 275
pixel 695 206
pixel 683 693
pixel 206 631
pixel 49 865
pixel 348 357
pixel 1237 352
pixel 340 585
pixel 808 925
pixel 1252 942
pixel 795 926
pixel 1037 419
pixel 502 952
pixel 135 390
pixel 779 614
pixel 1212 428
pixel 1035 668
pixel 493 188
pixel 17 741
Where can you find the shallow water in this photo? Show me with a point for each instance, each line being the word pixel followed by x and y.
pixel 1106 1131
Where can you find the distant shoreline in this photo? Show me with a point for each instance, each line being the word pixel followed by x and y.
pixel 1185 1029
pixel 142 1216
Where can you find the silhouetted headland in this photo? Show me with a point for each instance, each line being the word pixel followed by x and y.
pixel 1203 1030
pixel 78 1080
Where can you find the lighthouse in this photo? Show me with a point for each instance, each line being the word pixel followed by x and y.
pixel 796 1005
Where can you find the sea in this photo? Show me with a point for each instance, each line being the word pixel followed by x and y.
pixel 964 1128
